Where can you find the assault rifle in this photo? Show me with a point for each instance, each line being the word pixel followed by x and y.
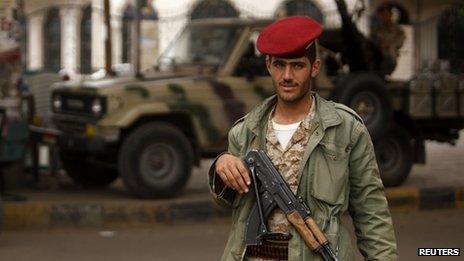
pixel 272 191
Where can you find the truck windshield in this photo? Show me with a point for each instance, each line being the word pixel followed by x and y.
pixel 205 45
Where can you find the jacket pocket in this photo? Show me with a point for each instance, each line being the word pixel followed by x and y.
pixel 330 175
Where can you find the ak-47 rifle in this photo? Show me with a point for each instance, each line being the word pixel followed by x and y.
pixel 272 191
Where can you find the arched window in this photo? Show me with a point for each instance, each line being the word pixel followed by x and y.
pixel 213 8
pixel 127 28
pixel 300 7
pixel 86 40
pixel 52 40
pixel 451 38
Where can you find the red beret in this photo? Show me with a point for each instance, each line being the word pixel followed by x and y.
pixel 289 37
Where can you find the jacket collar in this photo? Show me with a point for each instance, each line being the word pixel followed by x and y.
pixel 326 114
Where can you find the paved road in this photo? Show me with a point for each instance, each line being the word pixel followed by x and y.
pixel 205 241
pixel 445 166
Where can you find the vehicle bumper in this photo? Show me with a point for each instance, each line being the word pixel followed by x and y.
pixel 68 142
pixel 92 145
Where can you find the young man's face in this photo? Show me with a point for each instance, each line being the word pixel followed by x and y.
pixel 292 77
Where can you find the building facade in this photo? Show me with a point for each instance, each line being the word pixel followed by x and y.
pixel 69 34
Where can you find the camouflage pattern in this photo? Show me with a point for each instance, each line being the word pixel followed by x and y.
pixel 211 104
pixel 287 161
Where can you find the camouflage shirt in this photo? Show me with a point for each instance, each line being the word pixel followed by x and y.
pixel 287 161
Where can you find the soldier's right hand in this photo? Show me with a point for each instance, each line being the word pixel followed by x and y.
pixel 233 172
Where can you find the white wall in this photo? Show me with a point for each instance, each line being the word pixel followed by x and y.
pixel 35 41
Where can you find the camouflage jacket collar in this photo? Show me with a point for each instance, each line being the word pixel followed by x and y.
pixel 326 114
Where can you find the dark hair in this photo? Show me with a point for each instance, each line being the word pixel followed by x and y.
pixel 311 53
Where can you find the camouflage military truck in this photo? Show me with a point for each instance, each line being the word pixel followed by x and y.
pixel 153 129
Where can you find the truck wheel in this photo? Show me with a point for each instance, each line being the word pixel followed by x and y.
pixel 366 94
pixel 395 156
pixel 86 171
pixel 155 160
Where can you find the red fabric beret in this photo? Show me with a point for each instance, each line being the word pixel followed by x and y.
pixel 289 37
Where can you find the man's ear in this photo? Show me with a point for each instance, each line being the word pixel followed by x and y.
pixel 316 67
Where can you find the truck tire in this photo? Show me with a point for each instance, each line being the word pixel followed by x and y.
pixel 367 94
pixel 86 171
pixel 395 156
pixel 155 160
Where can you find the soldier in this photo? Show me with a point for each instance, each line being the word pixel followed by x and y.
pixel 389 37
pixel 321 148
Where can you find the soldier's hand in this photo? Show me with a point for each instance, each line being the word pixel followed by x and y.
pixel 233 172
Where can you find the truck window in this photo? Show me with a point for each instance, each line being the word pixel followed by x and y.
pixel 201 44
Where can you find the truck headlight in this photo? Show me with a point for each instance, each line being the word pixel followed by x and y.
pixel 97 107
pixel 57 103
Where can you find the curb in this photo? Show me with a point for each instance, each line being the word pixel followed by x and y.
pixel 43 216
pixel 414 199
pixel 50 215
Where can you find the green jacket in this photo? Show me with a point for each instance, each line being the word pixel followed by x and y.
pixel 339 172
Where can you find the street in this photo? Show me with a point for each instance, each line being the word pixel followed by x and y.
pixel 444 166
pixel 205 241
